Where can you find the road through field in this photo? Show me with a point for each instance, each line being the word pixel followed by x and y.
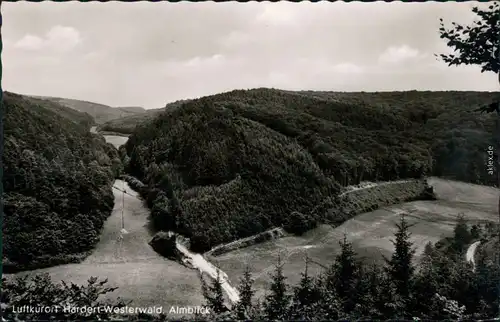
pixel 371 233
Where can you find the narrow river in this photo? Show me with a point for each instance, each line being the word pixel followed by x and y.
pixel 124 256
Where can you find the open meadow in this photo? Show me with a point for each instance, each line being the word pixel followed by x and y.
pixel 371 233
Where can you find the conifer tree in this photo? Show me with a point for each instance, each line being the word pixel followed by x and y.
pixel 276 304
pixel 485 280
pixel 214 295
pixel 461 236
pixel 368 288
pixel 329 306
pixel 306 297
pixel 247 292
pixel 427 284
pixel 343 275
pixel 400 268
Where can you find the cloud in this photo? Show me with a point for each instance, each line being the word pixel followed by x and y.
pixel 186 50
pixel 58 38
pixel 277 14
pixel 235 39
pixel 63 38
pixel 399 54
pixel 29 42
pixel 348 68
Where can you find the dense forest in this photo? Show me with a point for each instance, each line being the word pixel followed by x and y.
pixel 231 165
pixel 57 179
pixel 442 286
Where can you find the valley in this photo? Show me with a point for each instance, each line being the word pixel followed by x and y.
pixel 124 257
pixel 128 261
pixel 251 163
pixel 242 188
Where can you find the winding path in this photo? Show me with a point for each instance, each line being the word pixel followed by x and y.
pixel 471 251
pixel 200 263
pixel 368 185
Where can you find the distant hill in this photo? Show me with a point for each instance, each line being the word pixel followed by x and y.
pixel 100 112
pixel 57 179
pixel 75 116
pixel 127 124
pixel 231 165
pixel 132 109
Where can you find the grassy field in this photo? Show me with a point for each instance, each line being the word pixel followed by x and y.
pixel 129 263
pixel 370 233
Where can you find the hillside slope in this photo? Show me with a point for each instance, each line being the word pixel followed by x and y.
pixel 78 117
pixel 231 165
pixel 100 112
pixel 127 124
pixel 57 185
pixel 132 109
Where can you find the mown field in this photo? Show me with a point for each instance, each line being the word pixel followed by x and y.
pixel 130 264
pixel 370 233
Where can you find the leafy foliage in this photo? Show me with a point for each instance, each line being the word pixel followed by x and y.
pixel 57 185
pixel 477 44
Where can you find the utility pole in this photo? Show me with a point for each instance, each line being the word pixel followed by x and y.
pixel 123 191
pixel 123 206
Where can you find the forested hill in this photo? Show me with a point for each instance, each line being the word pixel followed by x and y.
pixel 100 112
pixel 57 184
pixel 232 164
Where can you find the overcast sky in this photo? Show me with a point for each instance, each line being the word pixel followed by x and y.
pixel 147 54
